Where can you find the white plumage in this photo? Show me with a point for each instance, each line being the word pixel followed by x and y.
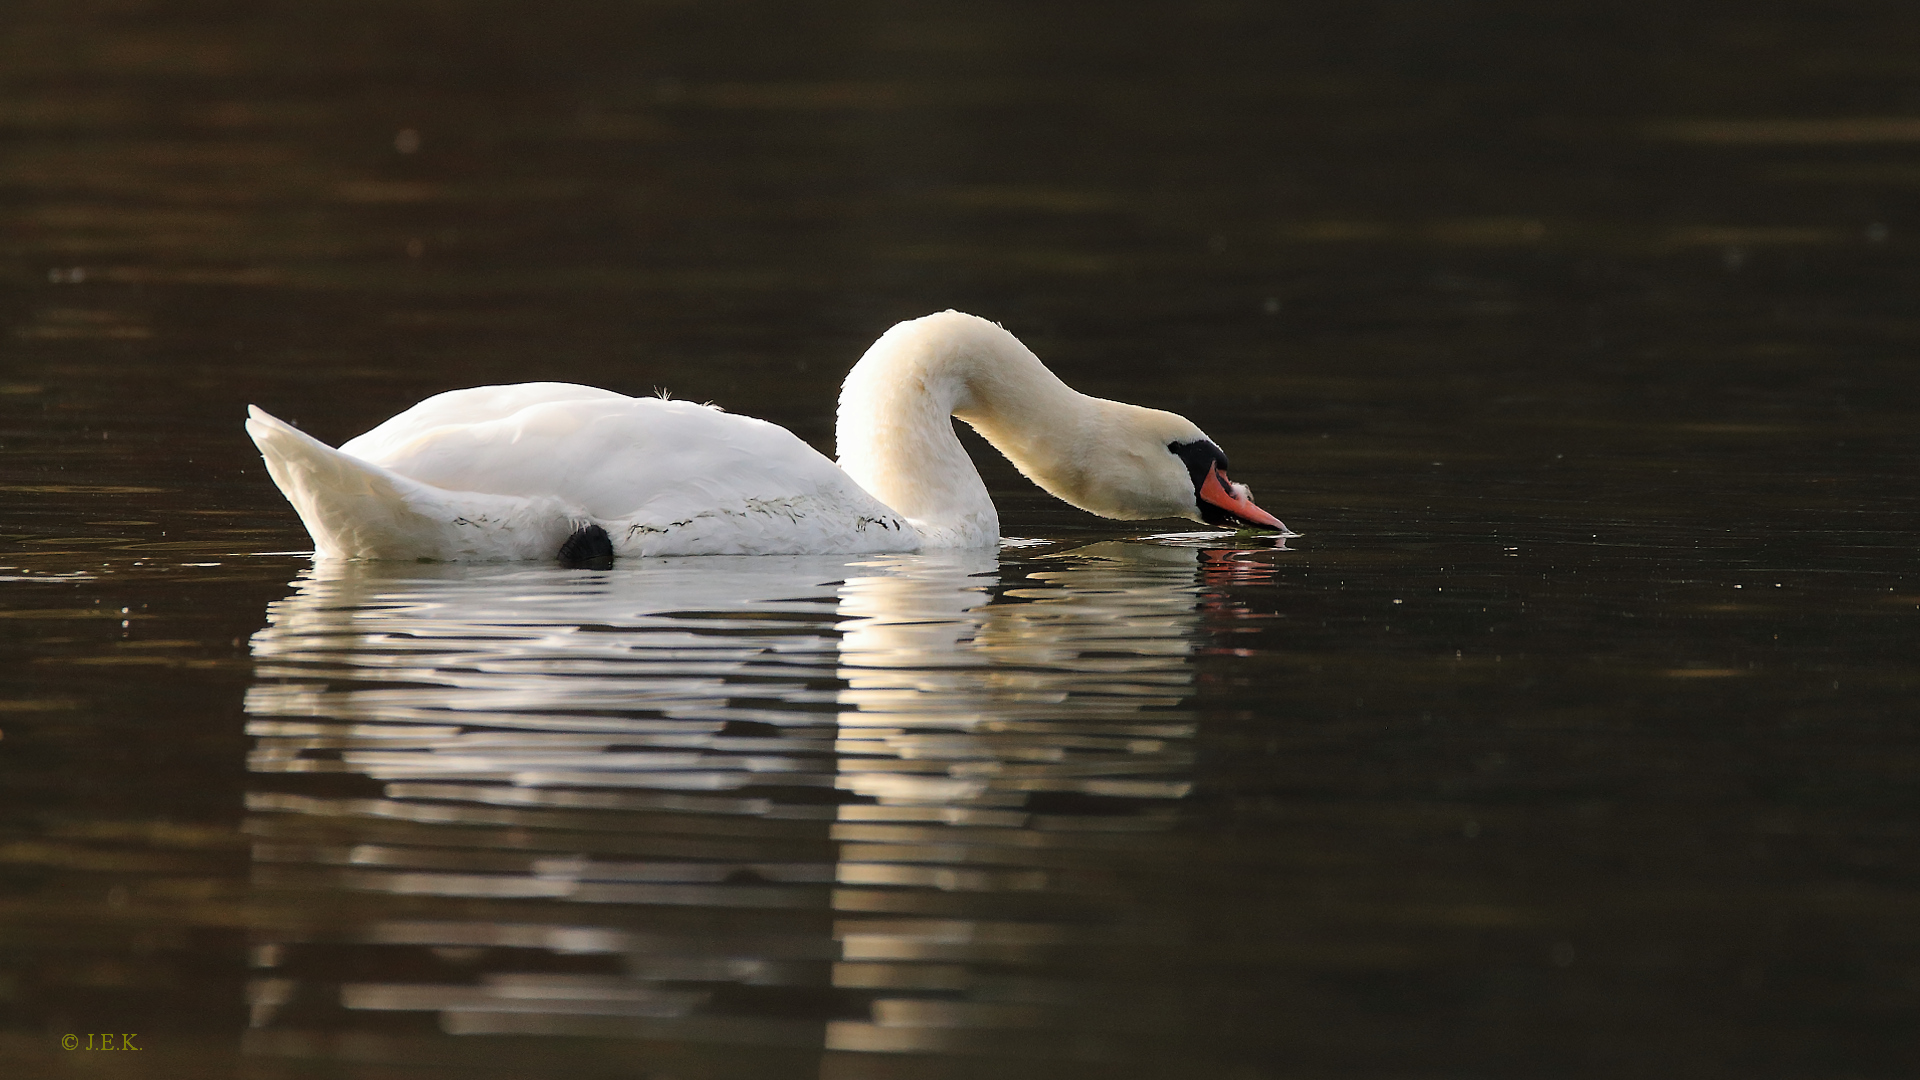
pixel 510 472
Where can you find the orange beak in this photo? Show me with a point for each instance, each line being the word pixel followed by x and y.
pixel 1223 494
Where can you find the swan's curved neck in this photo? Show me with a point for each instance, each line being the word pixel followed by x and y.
pixel 896 438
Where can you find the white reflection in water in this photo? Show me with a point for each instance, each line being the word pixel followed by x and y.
pixel 731 801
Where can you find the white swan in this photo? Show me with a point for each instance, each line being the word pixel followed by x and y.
pixel 543 469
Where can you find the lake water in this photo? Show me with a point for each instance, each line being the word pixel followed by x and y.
pixel 1575 737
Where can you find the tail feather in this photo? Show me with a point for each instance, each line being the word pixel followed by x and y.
pixel 351 508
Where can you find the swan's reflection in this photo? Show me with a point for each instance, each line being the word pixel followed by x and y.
pixel 866 804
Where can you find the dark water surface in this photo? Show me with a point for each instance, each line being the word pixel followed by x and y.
pixel 1576 737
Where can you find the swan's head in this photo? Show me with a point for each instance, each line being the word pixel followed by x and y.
pixel 1143 463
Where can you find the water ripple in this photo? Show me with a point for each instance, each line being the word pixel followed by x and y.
pixel 805 802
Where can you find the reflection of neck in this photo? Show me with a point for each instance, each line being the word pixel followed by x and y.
pixel 897 441
pixel 920 636
pixel 922 614
pixel 957 703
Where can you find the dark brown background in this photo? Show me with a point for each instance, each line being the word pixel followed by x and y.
pixel 1590 324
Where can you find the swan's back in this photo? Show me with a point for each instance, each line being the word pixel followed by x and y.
pixel 459 408
pixel 610 455
pixel 488 471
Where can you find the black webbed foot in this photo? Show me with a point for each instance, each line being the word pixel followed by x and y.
pixel 589 548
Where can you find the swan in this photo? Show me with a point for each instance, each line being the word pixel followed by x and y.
pixel 544 470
